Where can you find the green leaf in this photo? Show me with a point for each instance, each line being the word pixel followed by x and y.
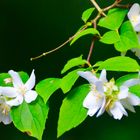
pixel 72 113
pixel 110 37
pixel 128 38
pixel 124 78
pixel 73 62
pixel 120 63
pixel 87 13
pixel 135 90
pixel 69 80
pixel 88 31
pixel 47 87
pixel 97 64
pixel 114 19
pixel 24 76
pixel 31 118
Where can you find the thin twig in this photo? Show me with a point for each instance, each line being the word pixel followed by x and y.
pixel 98 8
pixel 124 6
pixel 59 47
pixel 100 13
pixel 92 43
pixel 91 49
pixel 112 6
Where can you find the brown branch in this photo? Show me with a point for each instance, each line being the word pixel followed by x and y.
pixel 98 7
pixel 93 41
pixel 112 6
pixel 94 21
pixel 124 6
pixel 59 47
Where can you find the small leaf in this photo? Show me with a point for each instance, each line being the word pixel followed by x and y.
pixel 120 63
pixel 72 113
pixel 73 62
pixel 128 38
pixel 47 87
pixel 97 64
pixel 30 118
pixel 87 13
pixel 91 31
pixel 3 76
pixel 114 19
pixel 110 37
pixel 69 80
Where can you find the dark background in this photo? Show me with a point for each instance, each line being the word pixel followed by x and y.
pixel 30 27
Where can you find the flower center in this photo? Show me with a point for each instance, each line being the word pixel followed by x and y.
pixel 5 109
pixel 134 19
pixel 111 91
pixel 22 89
pixel 110 101
pixel 110 87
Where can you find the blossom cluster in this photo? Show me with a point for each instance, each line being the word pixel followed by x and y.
pixel 14 96
pixel 105 95
pixel 134 17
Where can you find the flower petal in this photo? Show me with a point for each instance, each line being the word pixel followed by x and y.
pixel 103 76
pixel 8 91
pixel 31 81
pixel 30 96
pixel 102 109
pixel 99 87
pixel 15 102
pixel 15 78
pixel 89 76
pixel 131 82
pixel 123 92
pixel 92 111
pixel 137 27
pixel 122 108
pixel 127 105
pixel 134 11
pixel 117 111
pixel 133 99
pixel 6 119
pixel 90 100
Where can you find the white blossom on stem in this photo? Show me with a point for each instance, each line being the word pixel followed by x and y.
pixel 105 95
pixel 19 91
pixel 95 100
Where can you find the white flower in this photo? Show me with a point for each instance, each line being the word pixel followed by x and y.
pixel 95 100
pixel 4 111
pixel 134 16
pixel 129 100
pixel 123 100
pixel 20 91
pixel 105 95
